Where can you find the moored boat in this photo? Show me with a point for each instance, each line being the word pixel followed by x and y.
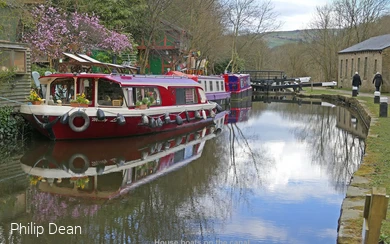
pixel 214 87
pixel 90 106
pixel 239 85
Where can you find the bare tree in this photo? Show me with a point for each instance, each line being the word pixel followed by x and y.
pixel 357 17
pixel 203 20
pixel 251 18
pixel 324 42
pixel 152 15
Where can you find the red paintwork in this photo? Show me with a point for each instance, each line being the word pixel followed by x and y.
pixel 112 129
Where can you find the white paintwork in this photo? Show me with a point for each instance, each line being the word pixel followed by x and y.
pixel 214 80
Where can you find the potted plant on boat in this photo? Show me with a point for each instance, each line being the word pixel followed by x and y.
pixel 144 103
pixel 80 101
pixel 34 98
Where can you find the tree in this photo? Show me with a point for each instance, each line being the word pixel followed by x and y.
pixel 56 31
pixel 151 22
pixel 357 17
pixel 324 43
pixel 248 17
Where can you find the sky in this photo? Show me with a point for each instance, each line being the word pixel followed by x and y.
pixel 296 14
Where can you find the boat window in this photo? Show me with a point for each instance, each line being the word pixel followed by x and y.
pixel 205 85
pixel 62 90
pixel 140 94
pixel 109 93
pixel 211 85
pixel 186 96
pixel 217 86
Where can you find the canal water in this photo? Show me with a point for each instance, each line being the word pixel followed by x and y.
pixel 275 171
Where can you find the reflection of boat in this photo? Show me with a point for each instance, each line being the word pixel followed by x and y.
pixel 108 168
pixel 117 105
pixel 240 111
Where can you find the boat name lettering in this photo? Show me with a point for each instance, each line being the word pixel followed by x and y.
pixel 94 163
pixel 97 120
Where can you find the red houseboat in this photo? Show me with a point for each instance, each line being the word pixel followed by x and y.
pixel 88 106
pixel 239 86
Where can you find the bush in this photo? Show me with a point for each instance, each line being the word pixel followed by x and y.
pixel 11 127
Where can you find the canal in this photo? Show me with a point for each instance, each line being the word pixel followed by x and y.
pixel 275 171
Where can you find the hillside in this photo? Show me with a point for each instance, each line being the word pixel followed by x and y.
pixel 279 38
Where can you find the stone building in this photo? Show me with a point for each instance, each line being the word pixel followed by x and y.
pixel 366 58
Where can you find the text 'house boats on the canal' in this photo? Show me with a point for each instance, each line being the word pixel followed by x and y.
pixel 88 105
pixel 109 168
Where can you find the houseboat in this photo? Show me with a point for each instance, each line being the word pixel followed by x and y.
pixel 91 106
pixel 214 87
pixel 109 168
pixel 239 86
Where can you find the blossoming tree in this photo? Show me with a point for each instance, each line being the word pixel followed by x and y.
pixel 57 31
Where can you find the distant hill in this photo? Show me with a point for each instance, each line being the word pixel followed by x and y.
pixel 279 38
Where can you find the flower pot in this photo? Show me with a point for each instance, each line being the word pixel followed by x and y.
pixel 36 102
pixel 142 106
pixel 78 105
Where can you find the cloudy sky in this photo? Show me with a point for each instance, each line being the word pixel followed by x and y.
pixel 296 14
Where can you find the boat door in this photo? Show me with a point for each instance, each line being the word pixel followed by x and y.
pixel 86 86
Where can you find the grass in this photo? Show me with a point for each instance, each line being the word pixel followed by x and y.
pixel 376 165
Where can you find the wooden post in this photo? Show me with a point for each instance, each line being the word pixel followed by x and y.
pixel 375 210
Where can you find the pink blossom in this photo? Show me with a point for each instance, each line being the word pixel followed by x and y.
pixel 58 32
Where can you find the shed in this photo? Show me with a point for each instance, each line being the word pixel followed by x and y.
pixel 15 62
pixel 366 58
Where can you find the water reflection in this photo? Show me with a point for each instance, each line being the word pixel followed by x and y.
pixel 276 174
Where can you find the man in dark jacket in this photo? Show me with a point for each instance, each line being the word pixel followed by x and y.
pixel 356 81
pixel 378 81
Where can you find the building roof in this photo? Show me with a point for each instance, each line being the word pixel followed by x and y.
pixel 377 43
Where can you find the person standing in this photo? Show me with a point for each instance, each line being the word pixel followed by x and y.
pixel 356 81
pixel 378 81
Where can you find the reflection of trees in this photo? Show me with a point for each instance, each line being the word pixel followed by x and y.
pixel 337 150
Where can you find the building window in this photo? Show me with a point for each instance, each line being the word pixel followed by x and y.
pixel 13 59
pixel 375 66
pixel 358 66
pixel 365 68
pixel 346 68
pixel 352 68
pixel 341 68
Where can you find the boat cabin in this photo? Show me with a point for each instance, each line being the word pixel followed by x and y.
pixel 121 90
pixel 212 83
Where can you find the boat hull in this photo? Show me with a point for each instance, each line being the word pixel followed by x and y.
pixel 51 124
